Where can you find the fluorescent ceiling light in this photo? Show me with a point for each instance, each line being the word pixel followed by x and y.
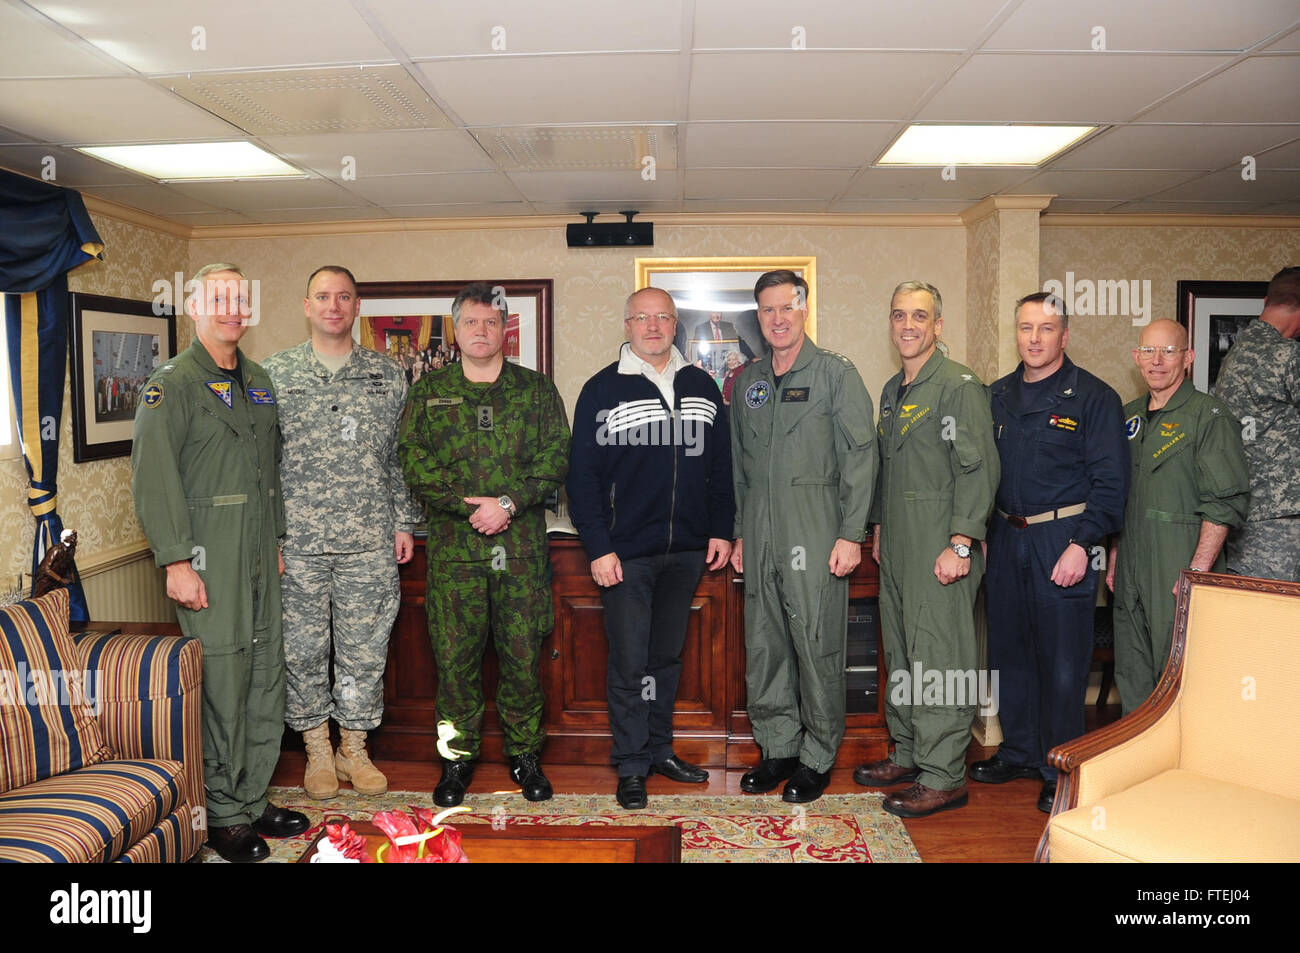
pixel 188 161
pixel 981 145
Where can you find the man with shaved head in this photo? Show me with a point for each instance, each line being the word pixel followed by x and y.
pixel 1189 484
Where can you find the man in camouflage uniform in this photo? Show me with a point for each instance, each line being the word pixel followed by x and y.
pixel 349 519
pixel 207 491
pixel 1189 485
pixel 484 442
pixel 1260 382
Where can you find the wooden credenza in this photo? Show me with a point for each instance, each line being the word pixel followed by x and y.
pixel 711 726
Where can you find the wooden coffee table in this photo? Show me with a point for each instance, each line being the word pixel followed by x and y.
pixel 548 844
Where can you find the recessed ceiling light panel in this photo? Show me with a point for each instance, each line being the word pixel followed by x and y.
pixel 924 145
pixel 191 161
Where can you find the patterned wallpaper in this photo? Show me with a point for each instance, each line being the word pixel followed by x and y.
pixel 94 497
pixel 1163 256
pixel 982 268
pixel 857 269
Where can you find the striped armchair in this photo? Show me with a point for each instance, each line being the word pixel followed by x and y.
pixel 143 804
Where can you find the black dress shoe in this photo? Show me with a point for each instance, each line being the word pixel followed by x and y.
pixel 996 771
pixel 456 776
pixel 238 844
pixel 675 769
pixel 526 771
pixel 280 822
pixel 805 785
pixel 768 775
pixel 631 792
pixel 1047 796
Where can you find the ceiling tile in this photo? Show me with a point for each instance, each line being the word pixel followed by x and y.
pixel 451 28
pixel 551 90
pixel 969 184
pixel 584 187
pixel 69 168
pixel 1279 208
pixel 819 184
pixel 233 34
pixel 210 218
pixel 1283 157
pixel 810 85
pixel 901 206
pixel 1090 88
pixel 1288 43
pixel 434 189
pixel 1153 207
pixel 31 47
pixel 363 213
pixel 768 24
pixel 460 210
pixel 1258 89
pixel 808 145
pixel 1173 147
pixel 104 111
pixel 249 196
pixel 1229 186
pixel 1150 25
pixel 1081 206
pixel 608 214
pixel 159 199
pixel 584 148
pixel 383 153
pixel 1120 186
pixel 755 205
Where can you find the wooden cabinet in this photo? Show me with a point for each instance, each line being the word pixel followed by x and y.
pixel 711 726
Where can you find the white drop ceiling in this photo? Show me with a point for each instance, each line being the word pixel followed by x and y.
pixel 402 109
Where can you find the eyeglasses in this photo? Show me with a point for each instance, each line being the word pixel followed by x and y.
pixel 643 318
pixel 1146 351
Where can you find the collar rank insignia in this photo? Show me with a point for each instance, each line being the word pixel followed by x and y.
pixel 1068 392
pixel 222 390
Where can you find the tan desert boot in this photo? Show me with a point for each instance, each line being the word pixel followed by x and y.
pixel 320 781
pixel 351 763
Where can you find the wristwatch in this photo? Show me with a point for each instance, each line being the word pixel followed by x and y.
pixel 961 549
pixel 506 504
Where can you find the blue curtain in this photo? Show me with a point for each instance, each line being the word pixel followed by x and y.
pixel 44 231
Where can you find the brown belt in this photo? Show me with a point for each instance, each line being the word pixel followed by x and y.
pixel 1020 522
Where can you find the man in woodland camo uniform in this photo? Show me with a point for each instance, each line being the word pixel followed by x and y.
pixel 484 442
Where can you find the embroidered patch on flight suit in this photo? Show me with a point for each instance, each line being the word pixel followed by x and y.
pixel 260 395
pixel 794 395
pixel 222 390
pixel 756 394
pixel 1063 423
pixel 1168 429
pixel 1133 426
pixel 153 395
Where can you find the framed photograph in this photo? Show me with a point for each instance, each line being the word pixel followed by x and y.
pixel 1213 312
pixel 410 321
pixel 717 320
pixel 116 345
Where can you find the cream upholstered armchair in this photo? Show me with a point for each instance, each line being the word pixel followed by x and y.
pixel 1208 767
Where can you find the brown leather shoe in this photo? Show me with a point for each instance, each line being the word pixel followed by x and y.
pixel 920 801
pixel 879 774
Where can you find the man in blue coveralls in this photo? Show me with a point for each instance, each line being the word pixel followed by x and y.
pixel 1060 436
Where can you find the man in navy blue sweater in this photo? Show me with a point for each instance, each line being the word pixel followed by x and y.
pixel 650 494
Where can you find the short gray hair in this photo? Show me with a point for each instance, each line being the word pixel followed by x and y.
pixel 482 293
pixel 909 287
pixel 627 305
pixel 215 267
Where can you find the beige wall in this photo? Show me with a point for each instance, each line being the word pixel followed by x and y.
pixel 857 268
pixel 1164 255
pixel 94 497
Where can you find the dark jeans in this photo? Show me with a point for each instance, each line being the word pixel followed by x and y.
pixel 645 623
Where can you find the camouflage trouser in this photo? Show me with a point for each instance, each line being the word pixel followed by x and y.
pixel 466 601
pixel 1266 548
pixel 362 590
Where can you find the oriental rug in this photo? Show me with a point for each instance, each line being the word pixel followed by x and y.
pixel 837 828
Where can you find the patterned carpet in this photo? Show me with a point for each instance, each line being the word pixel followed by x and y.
pixel 839 828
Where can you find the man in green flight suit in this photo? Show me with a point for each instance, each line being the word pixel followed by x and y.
pixel 483 443
pixel 804 458
pixel 938 476
pixel 1189 484
pixel 205 476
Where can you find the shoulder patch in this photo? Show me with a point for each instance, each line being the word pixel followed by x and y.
pixel 1133 426
pixel 153 395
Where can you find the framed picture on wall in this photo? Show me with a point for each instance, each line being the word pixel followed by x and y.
pixel 410 321
pixel 717 320
pixel 116 344
pixel 1213 312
